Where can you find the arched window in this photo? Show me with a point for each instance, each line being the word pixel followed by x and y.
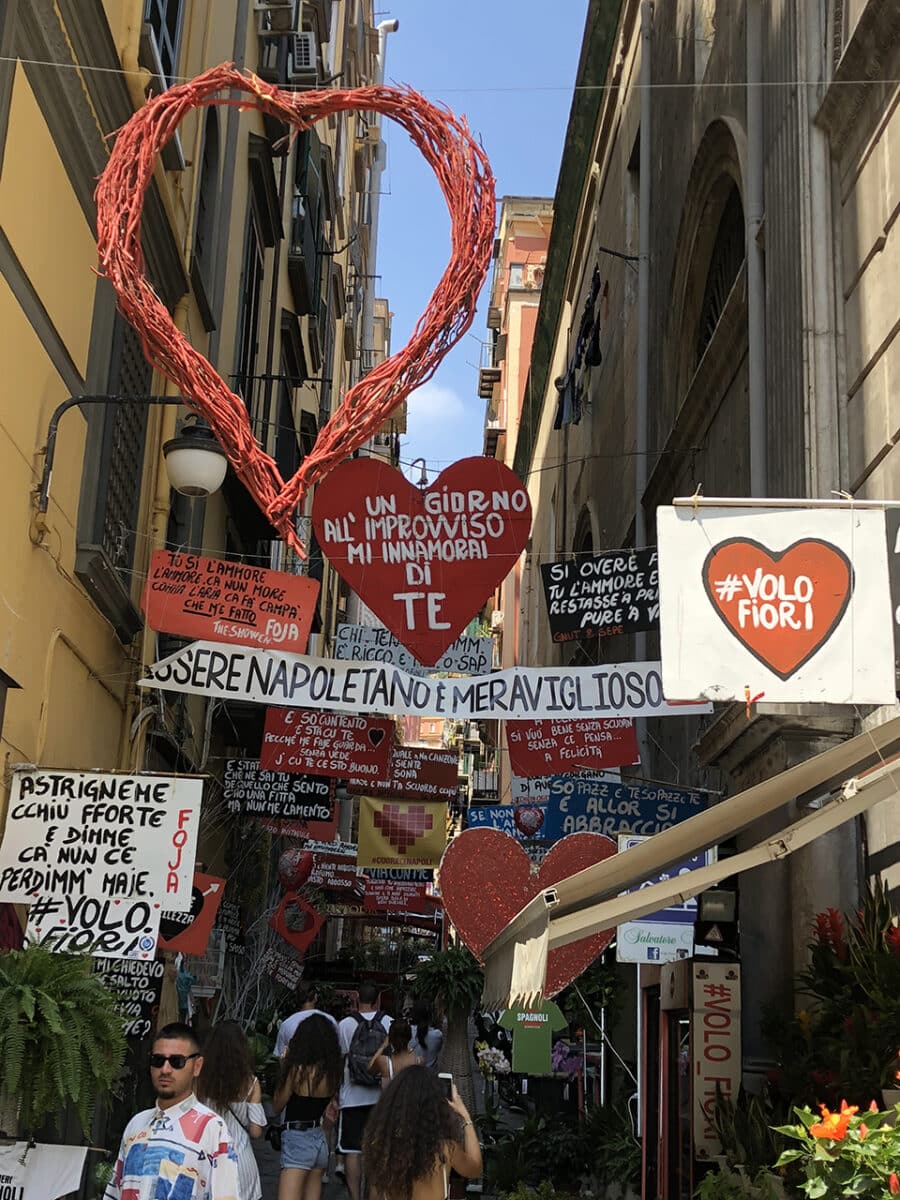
pixel 724 266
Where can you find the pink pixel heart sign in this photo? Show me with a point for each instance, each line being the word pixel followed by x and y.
pixel 486 878
pixel 424 560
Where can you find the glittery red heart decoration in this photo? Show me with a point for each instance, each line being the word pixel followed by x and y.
pixel 403 827
pixel 486 878
pixel 465 179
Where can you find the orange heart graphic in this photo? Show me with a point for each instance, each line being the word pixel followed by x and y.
pixel 782 605
pixel 465 179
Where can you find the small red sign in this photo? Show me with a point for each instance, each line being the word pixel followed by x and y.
pixel 219 601
pixel 559 747
pixel 423 560
pixel 188 932
pixel 313 742
pixel 396 896
pixel 336 874
pixel 414 774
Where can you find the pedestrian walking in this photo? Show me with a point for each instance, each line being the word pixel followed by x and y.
pixel 395 1054
pixel 427 1039
pixel 181 1147
pixel 361 1036
pixel 307 999
pixel 228 1084
pixel 310 1079
pixel 416 1136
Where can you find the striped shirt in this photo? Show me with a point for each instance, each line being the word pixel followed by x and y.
pixel 179 1153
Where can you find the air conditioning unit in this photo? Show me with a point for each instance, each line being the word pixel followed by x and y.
pixel 304 67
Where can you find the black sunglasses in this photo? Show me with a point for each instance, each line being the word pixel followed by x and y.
pixel 177 1060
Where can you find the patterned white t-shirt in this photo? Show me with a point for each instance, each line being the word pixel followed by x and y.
pixel 40 1172
pixel 178 1153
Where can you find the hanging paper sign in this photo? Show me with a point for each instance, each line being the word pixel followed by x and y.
pixel 305 800
pixel 320 743
pixel 91 833
pixel 336 874
pixel 396 895
pixel 581 805
pixel 415 774
pixel 541 747
pixel 775 604
pixel 101 928
pixel 228 919
pixel 503 817
pixel 188 932
pixel 336 849
pixel 221 601
pixel 296 921
pixel 423 560
pixel 280 968
pixel 137 985
pixel 602 595
pixel 536 789
pixel 361 643
pixel 399 833
pixel 519 693
pixel 403 874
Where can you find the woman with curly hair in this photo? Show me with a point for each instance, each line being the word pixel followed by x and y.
pixel 228 1085
pixel 311 1072
pixel 416 1136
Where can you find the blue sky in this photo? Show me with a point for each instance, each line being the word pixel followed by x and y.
pixel 510 68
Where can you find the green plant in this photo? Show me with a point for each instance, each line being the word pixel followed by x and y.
pixel 544 1191
pixel 453 980
pixel 613 1151
pixel 61 1038
pixel 746 1130
pixel 600 987
pixel 845 1153
pixel 728 1184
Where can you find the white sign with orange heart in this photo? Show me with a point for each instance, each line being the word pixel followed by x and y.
pixel 775 604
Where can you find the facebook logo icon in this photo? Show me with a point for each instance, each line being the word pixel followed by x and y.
pixel 652 953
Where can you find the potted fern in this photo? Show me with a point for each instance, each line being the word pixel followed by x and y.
pixel 61 1040
pixel 452 980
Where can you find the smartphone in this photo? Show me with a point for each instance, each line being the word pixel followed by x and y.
pixel 446 1082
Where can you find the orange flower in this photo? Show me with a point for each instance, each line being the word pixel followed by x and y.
pixel 863 1130
pixel 834 1125
pixel 894 1185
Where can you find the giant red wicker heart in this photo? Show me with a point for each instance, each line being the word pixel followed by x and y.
pixel 465 179
pixel 424 560
pixel 486 878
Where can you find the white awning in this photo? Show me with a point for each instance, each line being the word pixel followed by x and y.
pixel 516 960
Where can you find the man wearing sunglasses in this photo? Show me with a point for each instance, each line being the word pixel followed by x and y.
pixel 179 1150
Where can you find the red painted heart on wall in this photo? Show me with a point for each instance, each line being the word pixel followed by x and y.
pixel 465 179
pixel 782 605
pixel 423 559
pixel 486 878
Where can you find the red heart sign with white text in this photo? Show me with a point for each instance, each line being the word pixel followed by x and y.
pixel 782 605
pixel 424 560
pixel 486 878
pixel 465 179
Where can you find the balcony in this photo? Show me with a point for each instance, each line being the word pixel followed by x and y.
pixel 493 431
pixel 487 377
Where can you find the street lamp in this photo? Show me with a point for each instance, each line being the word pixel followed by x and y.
pixel 195 462
pixel 423 475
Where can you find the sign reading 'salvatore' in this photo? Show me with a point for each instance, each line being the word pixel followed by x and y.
pixel 423 560
pixel 298 681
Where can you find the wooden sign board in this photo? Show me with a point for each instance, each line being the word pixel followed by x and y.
pixel 221 601
pixel 601 595
pixel 414 773
pixel 306 801
pixel 312 742
pixel 423 560
pixel 539 748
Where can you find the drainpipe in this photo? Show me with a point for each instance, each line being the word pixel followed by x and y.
pixel 756 284
pixel 643 353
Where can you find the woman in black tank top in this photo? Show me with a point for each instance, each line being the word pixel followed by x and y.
pixel 310 1078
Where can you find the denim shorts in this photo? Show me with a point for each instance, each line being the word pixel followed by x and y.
pixel 304 1148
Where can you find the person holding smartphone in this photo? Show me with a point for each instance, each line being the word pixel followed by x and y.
pixel 418 1132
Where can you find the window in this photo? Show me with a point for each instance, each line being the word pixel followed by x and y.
pixel 724 266
pixel 164 18
pixel 515 275
pixel 249 315
pixel 203 262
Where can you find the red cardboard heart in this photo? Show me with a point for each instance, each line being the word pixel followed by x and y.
pixel 486 878
pixel 782 605
pixel 465 179
pixel 424 560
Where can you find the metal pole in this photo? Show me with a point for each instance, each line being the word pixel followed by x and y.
pixel 76 402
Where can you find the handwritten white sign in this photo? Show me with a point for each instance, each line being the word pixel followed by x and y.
pixel 362 643
pixel 90 833
pixel 299 681
pixel 101 928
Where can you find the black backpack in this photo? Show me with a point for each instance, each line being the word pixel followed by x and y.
pixel 368 1038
